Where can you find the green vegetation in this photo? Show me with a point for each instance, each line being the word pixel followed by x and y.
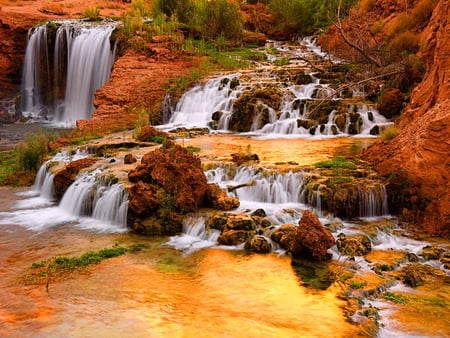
pixel 357 285
pixel 193 149
pixel 92 13
pixel 31 151
pixel 7 164
pixel 395 298
pixel 336 162
pixel 305 16
pixel 389 133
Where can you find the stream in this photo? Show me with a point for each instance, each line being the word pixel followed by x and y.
pixel 188 285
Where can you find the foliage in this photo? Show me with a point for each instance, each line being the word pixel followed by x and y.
pixel 389 133
pixel 357 285
pixel 305 16
pixel 366 5
pixel 281 62
pixel 336 162
pixel 395 297
pixel 405 42
pixel 7 164
pixel 92 13
pixel 31 151
pixel 193 149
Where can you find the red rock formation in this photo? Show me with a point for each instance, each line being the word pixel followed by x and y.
pixel 312 239
pixel 418 160
pixel 168 182
pixel 67 176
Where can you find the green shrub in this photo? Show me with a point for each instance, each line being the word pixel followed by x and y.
pixel 92 13
pixel 395 297
pixel 336 162
pixel 193 149
pixel 405 43
pixel 31 151
pixel 389 133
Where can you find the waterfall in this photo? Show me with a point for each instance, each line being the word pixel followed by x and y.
pixel 372 201
pixel 196 107
pixel 63 68
pixel 92 196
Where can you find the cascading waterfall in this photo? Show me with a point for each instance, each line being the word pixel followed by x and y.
pixel 44 182
pixel 197 106
pixel 92 196
pixel 63 68
pixel 373 201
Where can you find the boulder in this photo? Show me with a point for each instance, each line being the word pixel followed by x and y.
pixel 390 103
pixel 416 274
pixel 129 159
pixel 148 133
pixel 354 245
pixel 235 237
pixel 284 235
pixel 312 239
pixel 258 244
pixel 216 198
pixel 168 183
pixel 431 252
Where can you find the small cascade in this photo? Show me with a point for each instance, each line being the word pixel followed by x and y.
pixel 92 196
pixel 263 186
pixel 44 182
pixel 65 63
pixel 196 107
pixel 373 201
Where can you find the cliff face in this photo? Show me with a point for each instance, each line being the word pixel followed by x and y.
pixel 418 159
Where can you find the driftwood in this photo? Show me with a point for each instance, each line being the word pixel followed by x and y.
pixel 351 85
pixel 231 188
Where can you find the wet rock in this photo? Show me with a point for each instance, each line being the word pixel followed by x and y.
pixel 64 178
pixel 240 222
pixel 216 198
pixel 168 181
pixel 341 121
pixel 259 213
pixel 149 133
pixel 235 237
pixel 240 158
pixel 258 244
pixel 416 274
pixel 253 105
pixel 312 239
pixel 129 159
pixel 217 115
pixel 217 221
pixel 306 124
pixel 58 143
pixel 353 245
pixel 375 130
pixel 355 125
pixel 431 252
pixel 284 235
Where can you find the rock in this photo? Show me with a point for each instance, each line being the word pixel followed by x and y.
pixel 258 244
pixel 217 115
pixel 58 143
pixel 354 245
pixel 390 103
pixel 240 222
pixel 416 274
pixel 259 213
pixel 284 235
pixel 148 133
pixel 431 252
pixel 240 158
pixel 218 221
pixel 235 237
pixel 312 239
pixel 129 159
pixel 64 178
pixel 169 182
pixel 218 199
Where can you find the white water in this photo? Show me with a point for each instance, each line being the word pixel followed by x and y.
pixel 59 87
pixel 196 107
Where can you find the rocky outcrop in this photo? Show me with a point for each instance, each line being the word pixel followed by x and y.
pixel 284 235
pixel 312 239
pixel 417 160
pixel 358 245
pixel 216 198
pixel 258 244
pixel 416 274
pixel 168 183
pixel 65 177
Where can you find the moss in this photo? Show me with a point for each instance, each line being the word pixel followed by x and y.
pixel 395 297
pixel 336 162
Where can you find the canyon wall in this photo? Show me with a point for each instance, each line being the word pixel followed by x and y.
pixel 417 161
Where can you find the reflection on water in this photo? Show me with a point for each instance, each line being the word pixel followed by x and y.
pixel 157 292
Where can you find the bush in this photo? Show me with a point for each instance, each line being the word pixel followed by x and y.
pixel 31 151
pixel 92 13
pixel 405 43
pixel 336 162
pixel 367 5
pixel 389 133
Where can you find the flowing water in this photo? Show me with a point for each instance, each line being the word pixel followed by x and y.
pixel 186 285
pixel 65 63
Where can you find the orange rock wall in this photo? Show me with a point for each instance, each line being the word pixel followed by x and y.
pixel 420 154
